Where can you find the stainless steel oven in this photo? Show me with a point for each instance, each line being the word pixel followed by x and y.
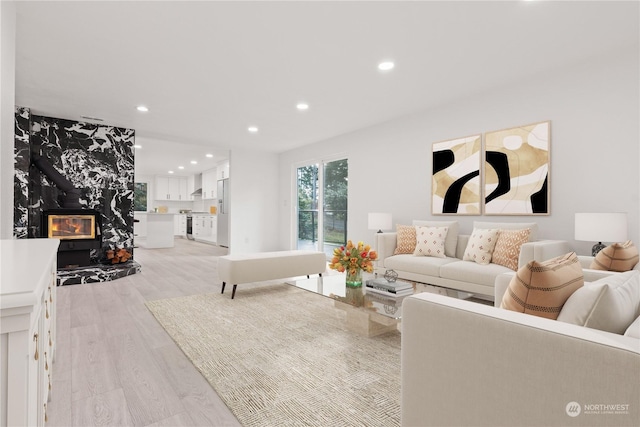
pixel 189 226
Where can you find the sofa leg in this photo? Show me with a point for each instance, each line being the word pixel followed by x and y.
pixel 223 284
pixel 233 293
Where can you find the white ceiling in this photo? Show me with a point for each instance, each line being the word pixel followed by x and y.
pixel 207 70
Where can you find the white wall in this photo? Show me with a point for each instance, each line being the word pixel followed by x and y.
pixel 7 109
pixel 595 135
pixel 253 181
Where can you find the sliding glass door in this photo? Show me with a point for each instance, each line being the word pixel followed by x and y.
pixel 322 190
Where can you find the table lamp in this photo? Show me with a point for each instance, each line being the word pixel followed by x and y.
pixel 601 227
pixel 380 221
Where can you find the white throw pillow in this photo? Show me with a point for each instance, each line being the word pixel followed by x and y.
pixel 451 242
pixel 480 246
pixel 430 241
pixel 609 304
pixel 633 330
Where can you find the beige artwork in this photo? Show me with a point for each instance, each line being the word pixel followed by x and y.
pixel 516 170
pixel 455 186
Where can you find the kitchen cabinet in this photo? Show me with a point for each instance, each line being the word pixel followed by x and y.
pixel 205 228
pixel 27 329
pixel 209 184
pixel 172 188
pixel 140 227
pixel 222 171
pixel 180 225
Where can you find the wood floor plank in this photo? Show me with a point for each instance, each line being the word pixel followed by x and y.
pixel 93 368
pixel 107 409
pixel 149 395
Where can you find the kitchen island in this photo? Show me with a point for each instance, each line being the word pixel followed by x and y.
pixel 159 229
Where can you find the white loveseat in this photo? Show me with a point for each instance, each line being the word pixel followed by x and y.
pixel 454 273
pixel 469 364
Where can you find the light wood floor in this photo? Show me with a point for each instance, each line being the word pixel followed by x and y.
pixel 115 365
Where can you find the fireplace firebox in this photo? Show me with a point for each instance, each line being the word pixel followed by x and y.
pixel 79 231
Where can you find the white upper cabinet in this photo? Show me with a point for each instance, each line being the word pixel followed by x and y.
pixel 172 188
pixel 222 171
pixel 209 184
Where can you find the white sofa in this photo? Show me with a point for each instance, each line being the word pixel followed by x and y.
pixel 469 364
pixel 454 273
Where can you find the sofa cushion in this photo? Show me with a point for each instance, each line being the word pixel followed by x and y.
pixel 430 241
pixel 451 240
pixel 471 272
pixel 480 246
pixel 533 236
pixel 610 304
pixel 616 257
pixel 541 288
pixel 429 266
pixel 406 243
pixel 633 330
pixel 507 250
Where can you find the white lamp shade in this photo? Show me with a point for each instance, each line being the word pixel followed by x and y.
pixel 379 221
pixel 601 227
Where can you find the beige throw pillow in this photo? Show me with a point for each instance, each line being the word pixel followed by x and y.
pixel 430 241
pixel 507 250
pixel 406 237
pixel 616 257
pixel 480 245
pixel 610 304
pixel 451 242
pixel 541 288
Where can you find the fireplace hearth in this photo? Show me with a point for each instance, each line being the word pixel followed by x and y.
pixel 79 231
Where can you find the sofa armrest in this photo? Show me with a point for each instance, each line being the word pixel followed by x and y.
pixel 542 250
pixel 465 363
pixel 591 275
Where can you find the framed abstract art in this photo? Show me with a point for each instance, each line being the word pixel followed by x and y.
pixel 516 170
pixel 455 184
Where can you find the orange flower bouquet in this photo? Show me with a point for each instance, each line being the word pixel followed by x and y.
pixel 353 260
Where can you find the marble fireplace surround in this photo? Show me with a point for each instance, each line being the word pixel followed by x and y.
pixel 99 161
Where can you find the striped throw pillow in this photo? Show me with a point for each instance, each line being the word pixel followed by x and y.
pixel 542 288
pixel 616 257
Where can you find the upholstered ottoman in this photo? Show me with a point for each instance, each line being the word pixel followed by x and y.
pixel 257 267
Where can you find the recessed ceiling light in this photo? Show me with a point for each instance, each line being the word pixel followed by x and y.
pixel 142 108
pixel 209 155
pixel 386 66
pixel 302 106
pixel 137 146
pixel 252 129
pixel 180 167
pixel 193 162
pixel 170 171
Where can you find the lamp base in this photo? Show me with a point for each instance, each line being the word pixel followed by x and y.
pixel 597 248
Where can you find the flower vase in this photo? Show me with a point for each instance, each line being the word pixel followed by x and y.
pixel 354 280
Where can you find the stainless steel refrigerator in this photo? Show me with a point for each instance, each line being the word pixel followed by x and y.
pixel 223 213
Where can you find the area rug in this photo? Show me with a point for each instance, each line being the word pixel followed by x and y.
pixel 280 356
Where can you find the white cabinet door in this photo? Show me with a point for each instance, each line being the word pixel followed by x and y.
pixel 183 189
pixel 209 184
pixel 174 189
pixel 180 225
pixel 214 229
pixel 162 188
pixel 222 172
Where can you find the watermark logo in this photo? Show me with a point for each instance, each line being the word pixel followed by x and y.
pixel 573 409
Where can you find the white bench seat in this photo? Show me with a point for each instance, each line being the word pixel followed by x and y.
pixel 261 266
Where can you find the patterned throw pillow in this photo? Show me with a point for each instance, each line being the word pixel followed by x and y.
pixel 616 257
pixel 406 239
pixel 507 250
pixel 480 246
pixel 430 241
pixel 542 288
